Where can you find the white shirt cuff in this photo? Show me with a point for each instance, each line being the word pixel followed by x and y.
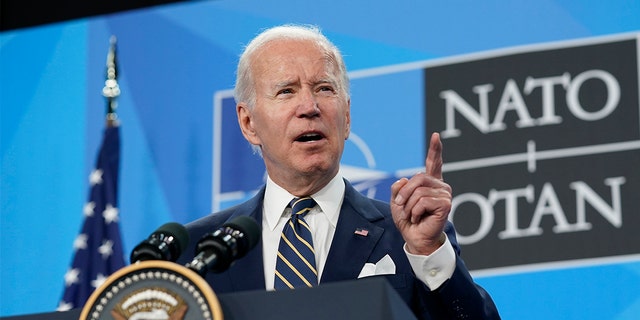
pixel 435 268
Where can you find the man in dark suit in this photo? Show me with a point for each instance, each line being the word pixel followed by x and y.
pixel 293 106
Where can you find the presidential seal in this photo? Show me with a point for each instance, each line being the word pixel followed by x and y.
pixel 153 290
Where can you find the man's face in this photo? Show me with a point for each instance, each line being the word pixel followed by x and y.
pixel 301 117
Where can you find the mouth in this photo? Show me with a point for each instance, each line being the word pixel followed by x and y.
pixel 309 137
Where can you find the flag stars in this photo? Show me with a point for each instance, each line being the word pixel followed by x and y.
pixel 95 177
pixel 98 246
pixel 106 249
pixel 110 214
pixel 98 281
pixel 88 209
pixel 64 306
pixel 71 276
pixel 80 242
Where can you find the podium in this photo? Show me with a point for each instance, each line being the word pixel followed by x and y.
pixel 368 298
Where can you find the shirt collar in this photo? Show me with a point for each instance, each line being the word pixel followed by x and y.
pixel 329 199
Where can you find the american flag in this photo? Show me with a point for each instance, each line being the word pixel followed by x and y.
pixel 98 247
pixel 362 232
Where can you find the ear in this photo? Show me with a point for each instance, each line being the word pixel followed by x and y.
pixel 245 120
pixel 347 120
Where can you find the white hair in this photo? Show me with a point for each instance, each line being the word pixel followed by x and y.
pixel 244 88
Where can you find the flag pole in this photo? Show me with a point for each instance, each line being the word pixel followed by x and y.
pixel 98 249
pixel 111 90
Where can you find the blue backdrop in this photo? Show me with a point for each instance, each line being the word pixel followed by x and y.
pixel 177 64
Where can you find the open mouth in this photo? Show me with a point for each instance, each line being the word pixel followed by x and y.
pixel 310 136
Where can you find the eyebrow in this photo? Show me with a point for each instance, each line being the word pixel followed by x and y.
pixel 286 83
pixel 324 80
pixel 289 83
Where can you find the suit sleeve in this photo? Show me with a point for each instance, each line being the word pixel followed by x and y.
pixel 457 298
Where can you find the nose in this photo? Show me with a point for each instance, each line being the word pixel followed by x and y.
pixel 308 105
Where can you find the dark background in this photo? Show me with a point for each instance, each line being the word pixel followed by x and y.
pixel 603 239
pixel 16 14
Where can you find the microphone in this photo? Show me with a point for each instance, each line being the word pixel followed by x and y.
pixel 166 243
pixel 216 251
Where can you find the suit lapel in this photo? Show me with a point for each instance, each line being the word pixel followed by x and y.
pixel 350 250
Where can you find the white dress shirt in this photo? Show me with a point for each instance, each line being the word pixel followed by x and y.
pixel 433 270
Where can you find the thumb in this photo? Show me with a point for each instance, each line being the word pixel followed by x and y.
pixel 395 189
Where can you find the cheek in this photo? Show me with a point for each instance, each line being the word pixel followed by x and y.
pixel 269 127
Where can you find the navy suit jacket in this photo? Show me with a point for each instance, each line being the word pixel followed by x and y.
pixel 458 298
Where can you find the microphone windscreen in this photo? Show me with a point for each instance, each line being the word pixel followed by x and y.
pixel 249 227
pixel 178 231
pixel 165 243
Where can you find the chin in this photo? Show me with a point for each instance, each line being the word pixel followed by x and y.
pixel 310 167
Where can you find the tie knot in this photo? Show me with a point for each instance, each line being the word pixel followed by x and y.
pixel 301 206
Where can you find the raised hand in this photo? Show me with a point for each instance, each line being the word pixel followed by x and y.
pixel 420 206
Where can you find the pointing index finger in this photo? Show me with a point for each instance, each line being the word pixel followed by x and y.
pixel 433 162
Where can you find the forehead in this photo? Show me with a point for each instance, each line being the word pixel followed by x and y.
pixel 284 56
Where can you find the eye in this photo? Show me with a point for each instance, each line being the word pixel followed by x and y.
pixel 285 91
pixel 326 89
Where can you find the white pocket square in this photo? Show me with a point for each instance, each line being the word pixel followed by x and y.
pixel 384 266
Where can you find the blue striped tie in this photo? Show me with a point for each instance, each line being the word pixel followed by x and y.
pixel 296 263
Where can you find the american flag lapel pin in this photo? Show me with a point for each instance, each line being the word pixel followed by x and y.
pixel 362 232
